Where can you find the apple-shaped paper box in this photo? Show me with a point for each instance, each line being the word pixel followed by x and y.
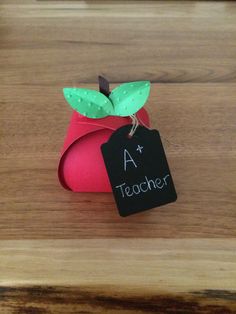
pixel 95 117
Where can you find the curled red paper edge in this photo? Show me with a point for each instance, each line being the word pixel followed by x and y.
pixel 80 126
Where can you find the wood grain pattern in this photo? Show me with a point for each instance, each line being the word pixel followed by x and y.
pixel 71 253
pixel 118 275
pixel 41 300
pixel 198 134
pixel 157 41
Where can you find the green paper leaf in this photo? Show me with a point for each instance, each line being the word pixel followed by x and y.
pixel 128 98
pixel 88 102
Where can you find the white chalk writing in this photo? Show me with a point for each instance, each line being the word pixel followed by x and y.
pixel 129 159
pixel 143 187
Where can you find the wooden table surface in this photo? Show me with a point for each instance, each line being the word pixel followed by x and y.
pixel 64 252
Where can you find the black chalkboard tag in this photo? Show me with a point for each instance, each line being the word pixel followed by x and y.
pixel 138 170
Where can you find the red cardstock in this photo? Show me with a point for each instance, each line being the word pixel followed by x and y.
pixel 81 166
